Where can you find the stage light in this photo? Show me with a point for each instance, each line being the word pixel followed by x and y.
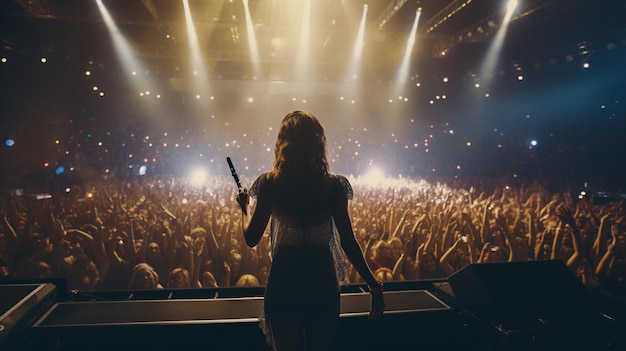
pixel 252 42
pixel 196 61
pixel 9 142
pixel 198 176
pixel 303 57
pixel 357 52
pixel 126 55
pixel 403 69
pixel 489 64
pixel 374 177
pixel 512 5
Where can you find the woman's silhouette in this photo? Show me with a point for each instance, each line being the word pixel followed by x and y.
pixel 305 203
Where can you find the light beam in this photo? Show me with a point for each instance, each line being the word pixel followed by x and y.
pixel 198 68
pixel 488 66
pixel 252 42
pixel 403 70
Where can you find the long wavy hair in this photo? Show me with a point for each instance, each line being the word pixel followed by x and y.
pixel 300 150
pixel 300 164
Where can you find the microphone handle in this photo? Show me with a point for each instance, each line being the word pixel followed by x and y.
pixel 233 172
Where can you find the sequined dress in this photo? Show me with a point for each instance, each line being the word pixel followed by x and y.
pixel 308 265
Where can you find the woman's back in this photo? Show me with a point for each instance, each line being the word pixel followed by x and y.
pixel 302 211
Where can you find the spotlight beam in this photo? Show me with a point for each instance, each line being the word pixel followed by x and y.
pixel 122 47
pixel 303 59
pixel 483 29
pixel 132 65
pixel 488 66
pixel 357 54
pixel 199 71
pixel 252 42
pixel 403 70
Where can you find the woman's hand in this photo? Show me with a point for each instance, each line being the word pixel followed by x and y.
pixel 377 302
pixel 243 199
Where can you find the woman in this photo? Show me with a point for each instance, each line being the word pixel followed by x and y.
pixel 304 200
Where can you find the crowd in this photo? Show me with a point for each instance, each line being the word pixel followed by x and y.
pixel 153 233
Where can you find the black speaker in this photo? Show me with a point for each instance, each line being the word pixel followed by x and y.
pixel 524 295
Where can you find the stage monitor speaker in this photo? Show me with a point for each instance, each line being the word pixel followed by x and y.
pixel 524 295
pixel 20 305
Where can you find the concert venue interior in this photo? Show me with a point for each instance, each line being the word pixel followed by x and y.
pixel 487 133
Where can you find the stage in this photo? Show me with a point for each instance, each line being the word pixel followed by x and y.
pixel 421 315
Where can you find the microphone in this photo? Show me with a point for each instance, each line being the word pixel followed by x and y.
pixel 233 172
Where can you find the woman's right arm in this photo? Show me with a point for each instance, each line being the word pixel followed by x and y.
pixel 253 225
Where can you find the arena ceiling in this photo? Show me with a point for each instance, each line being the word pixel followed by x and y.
pixel 453 28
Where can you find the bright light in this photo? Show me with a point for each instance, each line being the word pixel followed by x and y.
pixel 252 43
pixel 403 70
pixel 198 176
pixel 126 55
pixel 357 53
pixel 196 60
pixel 374 176
pixel 303 58
pixel 512 5
pixel 488 66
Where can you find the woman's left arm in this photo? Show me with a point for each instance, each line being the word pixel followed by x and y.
pixel 353 250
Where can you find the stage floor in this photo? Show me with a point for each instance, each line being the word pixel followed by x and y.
pixel 221 310
pixel 418 315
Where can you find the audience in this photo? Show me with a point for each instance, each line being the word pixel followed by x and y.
pixel 147 233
